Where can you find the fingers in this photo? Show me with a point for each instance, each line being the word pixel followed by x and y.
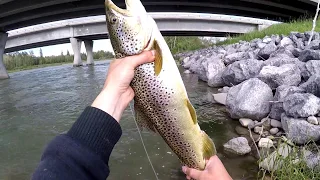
pixel 192 173
pixel 144 57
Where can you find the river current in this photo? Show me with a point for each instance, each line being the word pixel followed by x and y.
pixel 36 105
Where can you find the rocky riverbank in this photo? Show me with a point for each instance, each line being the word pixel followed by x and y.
pixel 272 86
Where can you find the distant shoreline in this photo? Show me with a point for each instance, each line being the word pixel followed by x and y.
pixel 48 65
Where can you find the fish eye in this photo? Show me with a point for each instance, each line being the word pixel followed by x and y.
pixel 113 19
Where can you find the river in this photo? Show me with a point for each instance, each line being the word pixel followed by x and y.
pixel 36 105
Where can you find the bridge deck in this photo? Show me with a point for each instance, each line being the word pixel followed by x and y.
pixel 16 13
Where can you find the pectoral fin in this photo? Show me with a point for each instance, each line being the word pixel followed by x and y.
pixel 142 120
pixel 158 59
pixel 192 111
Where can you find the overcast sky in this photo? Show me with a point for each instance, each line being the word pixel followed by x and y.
pixel 57 49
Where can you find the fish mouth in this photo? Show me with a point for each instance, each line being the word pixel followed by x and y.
pixel 148 45
pixel 111 6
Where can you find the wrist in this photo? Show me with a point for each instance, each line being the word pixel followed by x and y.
pixel 109 102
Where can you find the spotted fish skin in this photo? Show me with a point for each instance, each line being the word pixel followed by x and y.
pixel 161 101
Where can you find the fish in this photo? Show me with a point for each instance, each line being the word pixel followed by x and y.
pixel 161 102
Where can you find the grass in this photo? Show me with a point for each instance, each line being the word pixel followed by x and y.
pixel 301 25
pixel 293 166
pixel 186 43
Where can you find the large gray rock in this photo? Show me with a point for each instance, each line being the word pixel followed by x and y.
pixel 308 34
pixel 312 85
pixel 285 90
pixel 312 159
pixel 278 61
pixel 250 99
pixel 230 49
pixel 286 41
pixel 265 52
pixel 288 74
pixel 200 67
pixel 312 67
pixel 276 38
pixel 237 146
pixel 196 64
pixel 241 71
pixel 301 105
pixel 296 52
pixel 283 52
pixel 191 60
pixel 313 45
pixel 214 69
pixel 299 130
pixel 244 47
pixel 229 59
pixel 220 98
pixel 276 110
pixel 309 54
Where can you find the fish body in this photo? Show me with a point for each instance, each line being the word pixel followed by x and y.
pixel 161 102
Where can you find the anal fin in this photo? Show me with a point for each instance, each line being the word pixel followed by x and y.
pixel 142 120
pixel 209 148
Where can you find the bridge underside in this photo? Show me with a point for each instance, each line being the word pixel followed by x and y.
pixel 105 36
pixel 94 28
pixel 16 13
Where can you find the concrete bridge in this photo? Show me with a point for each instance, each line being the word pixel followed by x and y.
pixel 16 14
pixel 91 28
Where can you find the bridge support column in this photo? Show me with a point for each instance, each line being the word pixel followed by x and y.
pixel 76 46
pixel 89 49
pixel 3 71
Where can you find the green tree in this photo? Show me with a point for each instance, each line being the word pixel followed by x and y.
pixel 31 53
pixel 68 53
pixel 41 53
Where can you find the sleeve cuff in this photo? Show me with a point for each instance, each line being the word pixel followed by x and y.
pixel 97 130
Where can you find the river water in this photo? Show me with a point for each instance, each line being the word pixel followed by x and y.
pixel 36 105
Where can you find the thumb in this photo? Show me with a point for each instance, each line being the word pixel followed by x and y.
pixel 142 58
pixel 193 173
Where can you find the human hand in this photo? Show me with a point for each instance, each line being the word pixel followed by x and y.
pixel 117 93
pixel 214 170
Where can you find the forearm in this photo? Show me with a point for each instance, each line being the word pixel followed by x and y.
pixel 82 153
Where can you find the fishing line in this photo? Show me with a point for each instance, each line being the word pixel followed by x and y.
pixel 145 149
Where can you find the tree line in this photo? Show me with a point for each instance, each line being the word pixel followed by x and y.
pixel 18 60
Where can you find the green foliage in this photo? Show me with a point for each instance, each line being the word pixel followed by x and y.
pixel 178 44
pixel 102 55
pixel 301 25
pixel 25 60
pixel 293 167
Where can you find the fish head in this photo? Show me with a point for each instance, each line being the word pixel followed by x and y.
pixel 130 29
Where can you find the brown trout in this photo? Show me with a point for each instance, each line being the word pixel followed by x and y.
pixel 161 102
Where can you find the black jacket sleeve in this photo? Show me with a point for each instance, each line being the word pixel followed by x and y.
pixel 82 153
